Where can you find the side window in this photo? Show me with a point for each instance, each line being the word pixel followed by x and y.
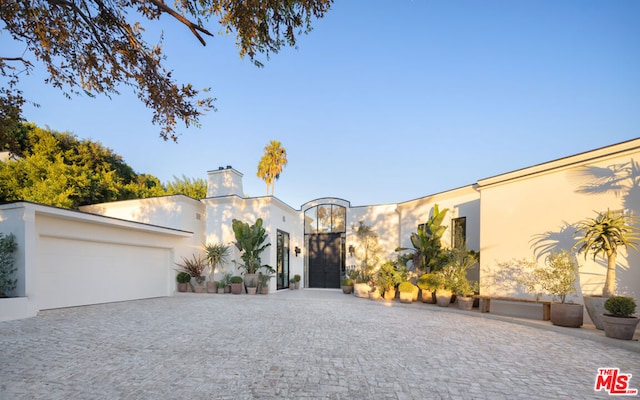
pixel 459 232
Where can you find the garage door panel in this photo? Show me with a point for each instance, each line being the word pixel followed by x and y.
pixel 75 272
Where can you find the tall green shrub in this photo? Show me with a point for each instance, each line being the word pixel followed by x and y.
pixel 8 269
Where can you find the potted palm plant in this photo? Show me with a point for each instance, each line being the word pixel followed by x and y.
pixel 216 255
pixel 619 322
pixel 251 240
pixel 602 236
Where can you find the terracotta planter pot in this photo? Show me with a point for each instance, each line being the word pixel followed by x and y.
pixel 236 288
pixel 595 309
pixel 389 294
pixel 347 289
pixel 427 296
pixel 374 295
pixel 183 287
pixel 361 290
pixel 443 297
pixel 248 279
pixel 619 327
pixel 251 290
pixel 569 315
pixel 406 297
pixel 465 303
pixel 221 290
pixel 212 287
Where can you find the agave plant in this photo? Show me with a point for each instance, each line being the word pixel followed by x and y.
pixel 602 236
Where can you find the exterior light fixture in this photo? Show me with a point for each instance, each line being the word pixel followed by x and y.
pixel 352 250
pixel 297 250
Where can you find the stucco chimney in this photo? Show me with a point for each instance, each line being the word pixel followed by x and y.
pixel 224 182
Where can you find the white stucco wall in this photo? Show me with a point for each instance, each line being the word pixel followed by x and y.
pixel 69 258
pixel 538 207
pixel 275 214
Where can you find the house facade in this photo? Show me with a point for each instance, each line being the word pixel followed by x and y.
pixel 520 214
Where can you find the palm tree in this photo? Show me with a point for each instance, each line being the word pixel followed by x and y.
pixel 271 164
pixel 602 236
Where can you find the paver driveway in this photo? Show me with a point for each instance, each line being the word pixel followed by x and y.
pixel 305 344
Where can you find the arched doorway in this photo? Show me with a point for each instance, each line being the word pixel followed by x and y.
pixel 325 233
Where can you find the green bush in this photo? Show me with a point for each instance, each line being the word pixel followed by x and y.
pixel 346 282
pixel 620 306
pixel 8 246
pixel 406 287
pixel 297 277
pixel 183 277
pixel 236 279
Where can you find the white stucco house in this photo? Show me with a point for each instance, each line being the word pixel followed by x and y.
pixel 127 250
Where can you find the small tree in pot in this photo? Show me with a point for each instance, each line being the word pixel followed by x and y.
pixel 603 236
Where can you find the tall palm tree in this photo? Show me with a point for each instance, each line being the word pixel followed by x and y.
pixel 602 236
pixel 272 163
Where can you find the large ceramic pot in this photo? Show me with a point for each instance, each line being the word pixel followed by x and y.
pixel 428 296
pixel 374 294
pixel 389 294
pixel 619 327
pixel 361 290
pixel 250 280
pixel 236 288
pixel 595 309
pixel 183 287
pixel 566 314
pixel 406 297
pixel 465 303
pixel 212 287
pixel 347 289
pixel 443 297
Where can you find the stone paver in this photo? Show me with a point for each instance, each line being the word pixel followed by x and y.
pixel 305 344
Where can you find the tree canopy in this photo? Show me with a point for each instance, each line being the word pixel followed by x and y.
pixel 58 169
pixel 95 46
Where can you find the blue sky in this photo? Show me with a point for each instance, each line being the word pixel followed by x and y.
pixel 389 101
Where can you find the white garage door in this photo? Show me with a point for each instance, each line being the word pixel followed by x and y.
pixel 74 272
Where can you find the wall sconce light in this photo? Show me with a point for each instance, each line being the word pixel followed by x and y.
pixel 297 250
pixel 352 250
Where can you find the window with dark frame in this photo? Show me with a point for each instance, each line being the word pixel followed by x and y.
pixel 459 233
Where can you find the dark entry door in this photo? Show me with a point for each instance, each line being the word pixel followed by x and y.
pixel 324 260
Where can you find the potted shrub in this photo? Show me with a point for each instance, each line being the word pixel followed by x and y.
pixel 465 289
pixel 251 240
pixel 183 279
pixel 263 282
pixel 427 291
pixel 252 285
pixel 296 279
pixel 236 284
pixel 436 280
pixel 216 255
pixel 602 236
pixel 221 287
pixel 406 290
pixel 195 266
pixel 619 322
pixel 388 278
pixel 374 294
pixel 292 283
pixel 346 285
